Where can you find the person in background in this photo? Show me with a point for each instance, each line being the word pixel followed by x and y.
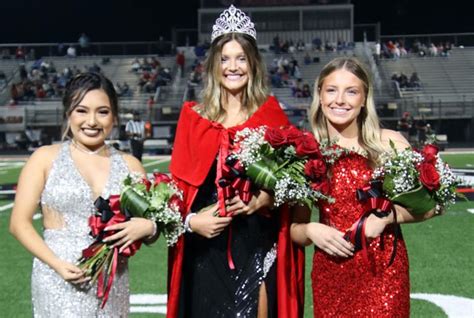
pixel 404 125
pixel 135 130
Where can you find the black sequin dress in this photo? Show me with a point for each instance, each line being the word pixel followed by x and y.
pixel 209 287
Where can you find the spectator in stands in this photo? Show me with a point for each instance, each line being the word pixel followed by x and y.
pixel 412 132
pixel 433 50
pixel 306 92
pixel 126 91
pixel 415 82
pixel 180 62
pixel 403 80
pixel 446 49
pixel 296 87
pixel 275 79
pixel 300 45
pixel 71 51
pixel 199 51
pixel 14 94
pixel 84 43
pixel 421 125
pixel 377 52
pixel 307 59
pixel 317 44
pixel 161 46
pixel 149 104
pixel 23 72
pixel 5 54
pixel 136 65
pixel 20 53
pixel 95 68
pixel 276 44
pixel 3 80
pixel 135 130
pixel 404 125
pixel 60 49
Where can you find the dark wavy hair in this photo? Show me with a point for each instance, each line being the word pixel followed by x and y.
pixel 79 86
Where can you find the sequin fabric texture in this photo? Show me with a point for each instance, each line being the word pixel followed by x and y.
pixel 355 287
pixel 68 195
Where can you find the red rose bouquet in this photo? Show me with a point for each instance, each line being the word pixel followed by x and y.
pixel 285 160
pixel 159 200
pixel 418 180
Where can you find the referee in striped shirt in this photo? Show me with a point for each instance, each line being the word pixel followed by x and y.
pixel 135 130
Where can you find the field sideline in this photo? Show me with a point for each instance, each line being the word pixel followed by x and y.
pixel 440 250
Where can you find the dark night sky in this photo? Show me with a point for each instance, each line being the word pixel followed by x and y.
pixel 138 20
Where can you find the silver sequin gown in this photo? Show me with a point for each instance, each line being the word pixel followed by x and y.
pixel 67 193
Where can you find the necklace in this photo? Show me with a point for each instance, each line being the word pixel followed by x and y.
pixel 89 152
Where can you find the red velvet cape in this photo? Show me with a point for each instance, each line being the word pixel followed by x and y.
pixel 197 143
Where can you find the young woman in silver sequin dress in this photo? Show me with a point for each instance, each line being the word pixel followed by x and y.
pixel 66 179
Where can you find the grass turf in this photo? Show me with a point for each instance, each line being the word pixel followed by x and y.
pixel 440 252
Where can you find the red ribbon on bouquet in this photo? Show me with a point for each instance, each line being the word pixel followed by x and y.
pixel 374 203
pixel 230 178
pixel 233 180
pixel 110 214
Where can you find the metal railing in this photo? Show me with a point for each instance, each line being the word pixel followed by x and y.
pixel 36 50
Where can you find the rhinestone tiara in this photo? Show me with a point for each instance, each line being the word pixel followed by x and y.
pixel 233 20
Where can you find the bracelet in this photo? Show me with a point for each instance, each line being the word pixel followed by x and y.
pixel 187 228
pixel 155 229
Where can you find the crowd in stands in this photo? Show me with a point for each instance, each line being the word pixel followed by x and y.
pixel 290 46
pixel 152 75
pixel 286 72
pixel 20 53
pixel 194 79
pixel 401 81
pixel 398 49
pixel 43 80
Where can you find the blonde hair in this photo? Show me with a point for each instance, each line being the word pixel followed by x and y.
pixel 256 91
pixel 367 121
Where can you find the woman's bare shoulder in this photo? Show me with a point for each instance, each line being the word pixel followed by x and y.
pixel 134 165
pixel 388 135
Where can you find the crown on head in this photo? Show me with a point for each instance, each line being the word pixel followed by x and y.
pixel 233 20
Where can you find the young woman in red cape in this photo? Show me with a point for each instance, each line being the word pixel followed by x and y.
pixel 235 258
pixel 370 282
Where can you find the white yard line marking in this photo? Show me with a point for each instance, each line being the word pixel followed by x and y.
pixel 453 306
pixel 6 207
pixel 11 165
pixel 156 162
pixel 148 303
pixel 7 191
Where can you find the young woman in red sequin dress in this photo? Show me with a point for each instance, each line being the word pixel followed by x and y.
pixel 345 282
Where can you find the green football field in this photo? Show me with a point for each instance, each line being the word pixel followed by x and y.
pixel 441 253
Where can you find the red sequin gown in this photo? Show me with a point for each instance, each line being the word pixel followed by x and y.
pixel 357 286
